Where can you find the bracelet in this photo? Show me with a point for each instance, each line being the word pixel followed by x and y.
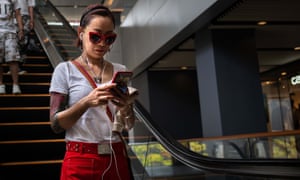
pixel 55 124
pixel 126 117
pixel 55 117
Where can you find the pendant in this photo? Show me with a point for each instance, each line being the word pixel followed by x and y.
pixel 97 80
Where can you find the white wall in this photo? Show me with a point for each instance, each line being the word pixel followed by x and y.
pixel 152 23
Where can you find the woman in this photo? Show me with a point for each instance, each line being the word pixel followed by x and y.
pixel 86 113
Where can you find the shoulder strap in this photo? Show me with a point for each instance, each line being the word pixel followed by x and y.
pixel 92 82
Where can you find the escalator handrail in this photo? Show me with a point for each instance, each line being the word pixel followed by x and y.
pixel 261 167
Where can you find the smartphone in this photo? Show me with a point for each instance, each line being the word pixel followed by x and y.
pixel 121 78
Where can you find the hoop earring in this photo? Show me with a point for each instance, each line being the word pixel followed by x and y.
pixel 110 47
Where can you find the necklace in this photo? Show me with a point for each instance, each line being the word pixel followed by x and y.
pixel 97 79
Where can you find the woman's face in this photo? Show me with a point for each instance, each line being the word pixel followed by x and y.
pixel 98 36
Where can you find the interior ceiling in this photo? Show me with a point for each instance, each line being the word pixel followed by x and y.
pixel 275 41
pixel 72 9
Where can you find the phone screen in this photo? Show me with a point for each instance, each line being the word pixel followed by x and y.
pixel 121 78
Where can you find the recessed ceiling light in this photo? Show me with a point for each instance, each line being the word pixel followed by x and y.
pixel 283 73
pixel 184 68
pixel 297 48
pixel 262 23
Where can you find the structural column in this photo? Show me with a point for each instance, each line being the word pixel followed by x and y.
pixel 231 99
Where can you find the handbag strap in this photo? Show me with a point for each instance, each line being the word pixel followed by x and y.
pixel 93 84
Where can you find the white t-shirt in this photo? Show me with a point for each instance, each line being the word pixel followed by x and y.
pixel 7 8
pixel 24 4
pixel 94 125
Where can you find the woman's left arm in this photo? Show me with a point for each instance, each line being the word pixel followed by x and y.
pixel 127 115
pixel 124 102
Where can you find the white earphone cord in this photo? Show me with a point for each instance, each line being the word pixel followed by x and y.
pixel 112 155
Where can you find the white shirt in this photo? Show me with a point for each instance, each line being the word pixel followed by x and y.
pixel 94 125
pixel 24 4
pixel 7 8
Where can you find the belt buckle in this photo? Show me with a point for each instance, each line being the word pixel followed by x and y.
pixel 104 149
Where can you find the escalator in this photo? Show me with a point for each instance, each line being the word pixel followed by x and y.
pixel 56 35
pixel 259 156
pixel 155 154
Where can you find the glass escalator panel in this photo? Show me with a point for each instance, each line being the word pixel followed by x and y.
pixel 55 32
pixel 264 155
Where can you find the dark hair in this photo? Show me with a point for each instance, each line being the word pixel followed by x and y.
pixel 94 9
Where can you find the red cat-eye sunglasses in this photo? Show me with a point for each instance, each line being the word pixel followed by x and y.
pixel 96 38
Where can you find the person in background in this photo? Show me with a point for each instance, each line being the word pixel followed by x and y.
pixel 87 113
pixel 28 25
pixel 9 52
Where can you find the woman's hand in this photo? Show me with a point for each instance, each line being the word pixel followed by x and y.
pixel 122 100
pixel 100 95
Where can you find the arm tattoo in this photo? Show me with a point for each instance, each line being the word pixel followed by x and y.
pixel 58 103
pixel 55 125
